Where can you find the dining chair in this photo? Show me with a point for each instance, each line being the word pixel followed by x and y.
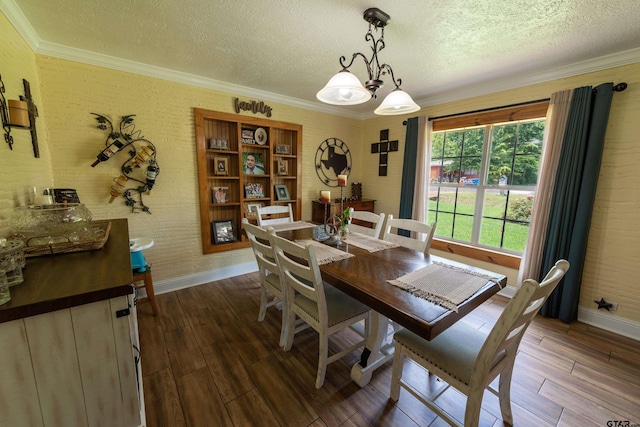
pixel 324 308
pixel 469 360
pixel 270 283
pixel 377 220
pixel 413 226
pixel 276 214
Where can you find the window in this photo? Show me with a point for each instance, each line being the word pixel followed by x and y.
pixel 483 178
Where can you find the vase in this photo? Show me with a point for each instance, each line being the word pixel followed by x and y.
pixel 343 232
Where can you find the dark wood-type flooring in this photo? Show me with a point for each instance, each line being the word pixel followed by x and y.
pixel 207 361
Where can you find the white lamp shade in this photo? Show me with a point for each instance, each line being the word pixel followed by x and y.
pixel 397 102
pixel 344 89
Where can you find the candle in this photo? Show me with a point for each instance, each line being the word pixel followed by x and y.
pixel 342 180
pixel 325 197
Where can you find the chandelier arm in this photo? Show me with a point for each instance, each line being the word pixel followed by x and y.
pixel 353 57
pixel 389 70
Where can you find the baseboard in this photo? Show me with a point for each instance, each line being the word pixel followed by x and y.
pixel 609 322
pixel 603 320
pixel 169 285
pixel 597 318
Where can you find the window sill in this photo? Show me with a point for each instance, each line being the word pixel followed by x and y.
pixel 498 258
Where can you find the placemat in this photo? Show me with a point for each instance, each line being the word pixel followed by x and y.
pixel 285 226
pixel 325 254
pixel 369 243
pixel 443 284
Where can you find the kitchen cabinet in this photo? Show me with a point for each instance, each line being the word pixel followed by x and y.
pixel 69 353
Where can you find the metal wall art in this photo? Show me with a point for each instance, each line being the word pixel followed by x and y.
pixel 135 179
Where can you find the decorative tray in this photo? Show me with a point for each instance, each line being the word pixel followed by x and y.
pixel 92 235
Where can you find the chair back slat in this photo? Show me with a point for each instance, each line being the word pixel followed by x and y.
pixel 376 220
pixel 299 268
pixel 276 214
pixel 423 233
pixel 516 317
pixel 262 249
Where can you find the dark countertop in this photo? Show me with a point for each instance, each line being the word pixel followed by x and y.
pixel 56 282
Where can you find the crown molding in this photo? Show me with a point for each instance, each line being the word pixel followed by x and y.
pixel 20 22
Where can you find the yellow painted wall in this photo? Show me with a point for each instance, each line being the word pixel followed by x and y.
pixel 67 92
pixel 18 167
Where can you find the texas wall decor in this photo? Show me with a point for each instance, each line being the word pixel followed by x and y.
pixel 384 147
pixel 333 158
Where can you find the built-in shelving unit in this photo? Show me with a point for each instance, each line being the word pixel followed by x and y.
pixel 228 189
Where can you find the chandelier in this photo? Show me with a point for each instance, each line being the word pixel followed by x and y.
pixel 345 89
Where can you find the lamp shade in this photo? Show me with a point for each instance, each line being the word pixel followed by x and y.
pixel 397 102
pixel 344 89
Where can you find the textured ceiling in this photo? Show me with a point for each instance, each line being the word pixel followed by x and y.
pixel 291 47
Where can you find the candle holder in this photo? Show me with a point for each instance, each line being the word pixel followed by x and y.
pixel 330 228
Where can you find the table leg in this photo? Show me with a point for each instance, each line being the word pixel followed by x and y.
pixel 377 350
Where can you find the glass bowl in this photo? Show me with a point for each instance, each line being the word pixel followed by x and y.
pixel 47 220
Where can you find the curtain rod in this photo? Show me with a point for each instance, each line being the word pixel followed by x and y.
pixel 616 88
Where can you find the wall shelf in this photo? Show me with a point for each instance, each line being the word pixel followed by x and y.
pixel 231 204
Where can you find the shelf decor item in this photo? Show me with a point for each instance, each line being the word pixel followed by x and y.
pixel 135 178
pixel 282 192
pixel 253 190
pixel 223 231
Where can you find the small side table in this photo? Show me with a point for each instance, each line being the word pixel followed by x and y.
pixel 141 271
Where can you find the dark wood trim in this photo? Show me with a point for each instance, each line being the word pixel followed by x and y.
pixel 486 255
pixel 523 112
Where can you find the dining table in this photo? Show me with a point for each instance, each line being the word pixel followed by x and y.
pixel 365 275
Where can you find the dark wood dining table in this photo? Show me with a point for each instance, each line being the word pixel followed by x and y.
pixel 364 277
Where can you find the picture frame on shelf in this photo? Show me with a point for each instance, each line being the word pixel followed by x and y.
pixel 283 149
pixel 218 144
pixel 252 209
pixel 283 167
pixel 220 195
pixel 252 163
pixel 282 192
pixel 221 165
pixel 253 190
pixel 248 136
pixel 223 231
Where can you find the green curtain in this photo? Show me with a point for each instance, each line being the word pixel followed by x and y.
pixel 574 194
pixel 408 172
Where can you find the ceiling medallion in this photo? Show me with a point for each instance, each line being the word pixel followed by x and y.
pixel 333 158
pixel 345 89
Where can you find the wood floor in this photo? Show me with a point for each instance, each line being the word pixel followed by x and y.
pixel 207 361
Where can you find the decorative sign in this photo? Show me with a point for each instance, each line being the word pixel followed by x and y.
pixel 253 106
pixel 384 147
pixel 333 158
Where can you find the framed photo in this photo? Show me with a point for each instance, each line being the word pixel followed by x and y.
pixel 283 167
pixel 223 231
pixel 247 136
pixel 252 209
pixel 282 192
pixel 220 195
pixel 253 190
pixel 282 149
pixel 221 165
pixel 252 164
pixel 218 144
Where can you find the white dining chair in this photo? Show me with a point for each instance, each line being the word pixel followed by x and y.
pixel 270 285
pixel 276 214
pixel 376 220
pixel 418 243
pixel 324 308
pixel 468 359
